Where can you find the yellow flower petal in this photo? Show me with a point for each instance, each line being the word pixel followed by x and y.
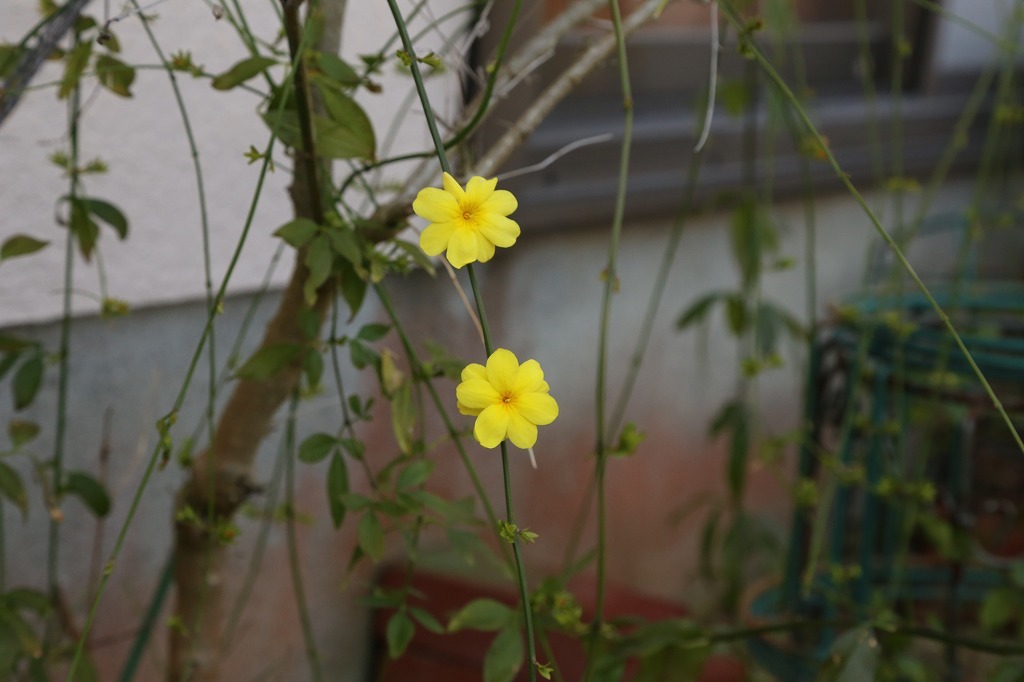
pixel 501 202
pixel 539 408
pixel 492 426
pixel 476 394
pixel 474 371
pixel 434 240
pixel 502 369
pixel 436 205
pixel 484 248
pixel 529 379
pixel 509 400
pixel 479 190
pixel 452 186
pixel 462 247
pixel 498 229
pixel 521 432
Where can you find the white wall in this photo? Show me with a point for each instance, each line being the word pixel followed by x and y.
pixel 151 177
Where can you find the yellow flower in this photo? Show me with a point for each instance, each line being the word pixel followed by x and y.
pixel 467 223
pixel 509 400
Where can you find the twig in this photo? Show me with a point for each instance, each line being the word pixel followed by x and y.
pixel 712 80
pixel 558 90
pixel 541 165
pixel 14 87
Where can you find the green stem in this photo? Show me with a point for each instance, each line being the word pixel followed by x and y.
pixel 295 566
pixel 488 347
pixel 657 291
pixel 417 366
pixel 149 621
pixel 610 283
pixel 777 80
pixel 178 402
pixel 60 428
pixel 421 90
pixel 470 126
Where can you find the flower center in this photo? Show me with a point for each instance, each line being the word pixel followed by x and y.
pixel 468 212
pixel 506 399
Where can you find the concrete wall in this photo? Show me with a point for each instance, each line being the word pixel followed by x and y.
pixel 543 298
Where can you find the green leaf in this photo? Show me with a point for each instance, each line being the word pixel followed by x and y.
pixel 399 633
pixel 20 245
pixel 297 232
pixel 89 490
pixel 371 536
pixel 362 355
pixel 747 232
pixel 739 447
pixel 7 362
pixel 346 245
pixel 416 253
pixel 504 657
pixel 427 620
pixel 348 132
pixel 335 70
pixel 356 502
pixel 23 598
pixel 28 641
pixel 415 474
pixel 12 488
pixel 115 75
pixel 353 290
pixel 107 213
pixel 241 72
pixel 374 331
pixel 698 310
pixel 22 431
pixel 313 368
pixel 75 65
pixel 482 614
pixel 82 226
pixel 317 447
pixel 9 56
pixel 403 419
pixel 736 314
pixel 996 609
pixel 319 259
pixel 27 381
pixel 337 488
pixel 268 361
pixel 353 447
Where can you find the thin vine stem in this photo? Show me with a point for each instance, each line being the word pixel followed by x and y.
pixel 610 285
pixel 442 158
pixel 453 433
pixel 294 564
pixel 179 400
pixel 461 136
pixel 844 178
pixel 60 427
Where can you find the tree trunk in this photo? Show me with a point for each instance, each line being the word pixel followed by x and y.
pixel 221 477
